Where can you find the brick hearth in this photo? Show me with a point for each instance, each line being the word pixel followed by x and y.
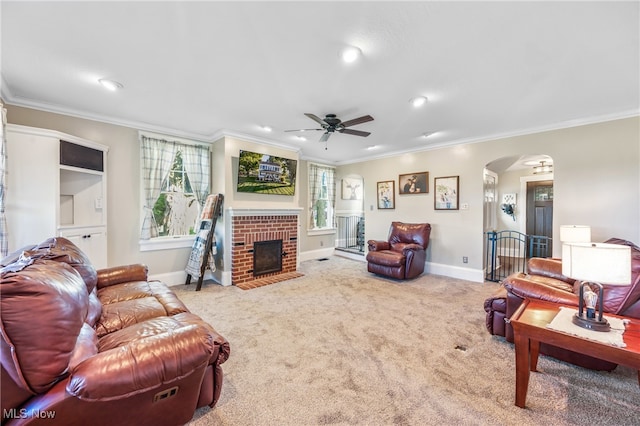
pixel 249 228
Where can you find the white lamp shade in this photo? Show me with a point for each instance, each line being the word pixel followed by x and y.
pixel 575 234
pixel 597 262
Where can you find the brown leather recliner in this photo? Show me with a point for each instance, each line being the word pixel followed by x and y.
pixel 403 255
pixel 106 347
pixel 544 281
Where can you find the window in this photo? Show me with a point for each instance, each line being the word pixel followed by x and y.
pixel 175 181
pixel 322 189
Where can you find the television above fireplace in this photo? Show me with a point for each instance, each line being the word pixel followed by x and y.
pixel 266 174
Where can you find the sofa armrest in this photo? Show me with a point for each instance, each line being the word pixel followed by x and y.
pixel 376 245
pixel 411 247
pixel 142 365
pixel 547 267
pixel 122 274
pixel 526 288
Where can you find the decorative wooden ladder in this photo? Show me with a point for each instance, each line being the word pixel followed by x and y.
pixel 208 245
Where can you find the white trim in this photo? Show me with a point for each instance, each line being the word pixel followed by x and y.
pixel 178 278
pixel 323 231
pixel 169 138
pixel 315 254
pixel 263 212
pixel 166 243
pixel 36 131
pixel 359 257
pixel 522 199
pixel 468 274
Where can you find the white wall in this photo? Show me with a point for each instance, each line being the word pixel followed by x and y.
pixel 596 171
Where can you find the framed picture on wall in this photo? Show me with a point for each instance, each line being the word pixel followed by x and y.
pixel 386 194
pixel 413 183
pixel 352 189
pixel 446 193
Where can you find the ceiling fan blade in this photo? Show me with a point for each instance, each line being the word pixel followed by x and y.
pixel 325 137
pixel 355 132
pixel 315 118
pixel 302 130
pixel 358 120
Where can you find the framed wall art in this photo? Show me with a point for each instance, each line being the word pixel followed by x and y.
pixel 446 193
pixel 352 189
pixel 414 183
pixel 386 194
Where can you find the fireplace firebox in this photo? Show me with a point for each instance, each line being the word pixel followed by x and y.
pixel 267 257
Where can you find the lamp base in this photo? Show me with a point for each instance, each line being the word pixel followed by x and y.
pixel 591 323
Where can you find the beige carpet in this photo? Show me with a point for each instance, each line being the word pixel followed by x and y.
pixel 340 346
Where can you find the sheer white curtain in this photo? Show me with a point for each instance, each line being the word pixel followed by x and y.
pixel 195 159
pixel 322 190
pixel 156 158
pixel 4 242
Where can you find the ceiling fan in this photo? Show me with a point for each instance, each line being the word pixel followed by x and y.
pixel 331 123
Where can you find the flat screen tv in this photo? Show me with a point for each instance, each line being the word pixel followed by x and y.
pixel 266 174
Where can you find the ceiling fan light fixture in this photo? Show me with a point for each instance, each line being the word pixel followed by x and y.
pixel 418 101
pixel 111 85
pixel 350 54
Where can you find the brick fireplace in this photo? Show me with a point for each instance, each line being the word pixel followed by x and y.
pixel 249 226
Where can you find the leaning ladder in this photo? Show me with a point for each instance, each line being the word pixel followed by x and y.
pixel 208 245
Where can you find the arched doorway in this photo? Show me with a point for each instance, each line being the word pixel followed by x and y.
pixel 518 212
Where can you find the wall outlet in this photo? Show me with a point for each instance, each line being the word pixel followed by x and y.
pixel 465 259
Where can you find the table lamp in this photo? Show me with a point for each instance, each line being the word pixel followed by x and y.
pixel 575 234
pixel 593 264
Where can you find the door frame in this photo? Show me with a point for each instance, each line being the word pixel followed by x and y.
pixel 522 201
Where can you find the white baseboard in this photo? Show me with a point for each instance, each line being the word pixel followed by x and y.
pixel 180 277
pixel 316 254
pixel 475 275
pixel 348 255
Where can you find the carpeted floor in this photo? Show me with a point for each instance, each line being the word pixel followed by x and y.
pixel 340 346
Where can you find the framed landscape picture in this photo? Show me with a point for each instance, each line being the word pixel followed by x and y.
pixel 446 192
pixel 413 183
pixel 386 194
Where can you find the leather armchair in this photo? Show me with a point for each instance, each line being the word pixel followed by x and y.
pixel 403 255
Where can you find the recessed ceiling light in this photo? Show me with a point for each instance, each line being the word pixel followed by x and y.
pixel 110 84
pixel 418 101
pixel 266 128
pixel 427 134
pixel 301 138
pixel 350 54
pixel 372 147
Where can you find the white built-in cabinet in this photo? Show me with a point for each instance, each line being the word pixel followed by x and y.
pixel 56 186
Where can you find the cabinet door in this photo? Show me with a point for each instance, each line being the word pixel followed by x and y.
pixel 32 195
pixel 92 241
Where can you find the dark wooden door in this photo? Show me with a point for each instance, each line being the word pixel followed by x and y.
pixel 540 217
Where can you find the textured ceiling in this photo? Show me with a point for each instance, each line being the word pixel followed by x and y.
pixel 200 69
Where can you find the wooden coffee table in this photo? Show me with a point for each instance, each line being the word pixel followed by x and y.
pixel 530 329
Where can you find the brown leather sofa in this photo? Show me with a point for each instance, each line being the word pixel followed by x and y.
pixel 544 281
pixel 403 255
pixel 106 347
